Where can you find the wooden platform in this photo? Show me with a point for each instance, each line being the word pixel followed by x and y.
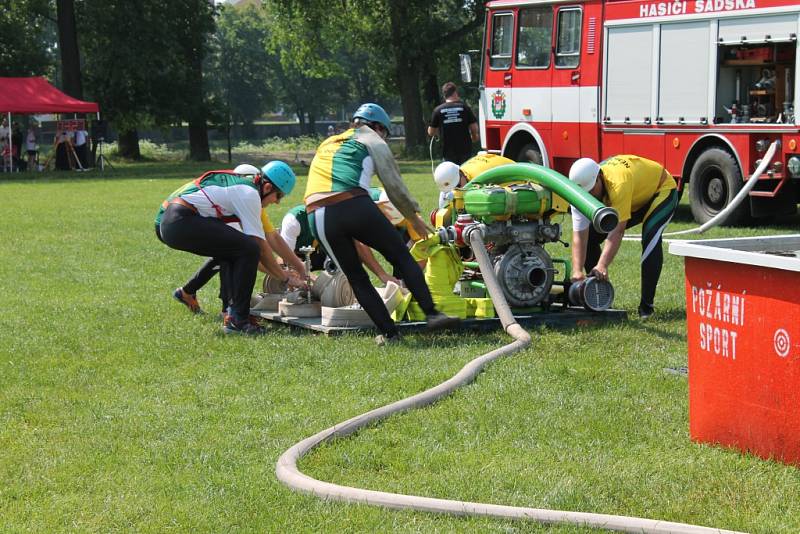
pixel 556 317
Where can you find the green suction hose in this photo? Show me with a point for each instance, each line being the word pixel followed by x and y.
pixel 604 219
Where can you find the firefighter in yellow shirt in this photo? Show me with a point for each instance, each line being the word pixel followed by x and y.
pixel 642 191
pixel 449 176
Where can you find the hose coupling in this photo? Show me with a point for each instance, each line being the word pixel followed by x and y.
pixel 467 230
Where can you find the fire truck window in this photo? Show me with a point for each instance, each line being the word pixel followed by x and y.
pixel 502 37
pixel 535 37
pixel 569 38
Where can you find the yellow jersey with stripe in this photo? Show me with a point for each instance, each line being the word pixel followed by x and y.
pixel 341 163
pixel 631 182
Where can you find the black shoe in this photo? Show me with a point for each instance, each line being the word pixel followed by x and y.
pixel 246 327
pixel 440 321
pixel 645 311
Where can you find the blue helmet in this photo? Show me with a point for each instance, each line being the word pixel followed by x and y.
pixel 281 175
pixel 374 113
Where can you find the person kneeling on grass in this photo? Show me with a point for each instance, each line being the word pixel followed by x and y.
pixel 642 191
pixel 187 294
pixel 195 219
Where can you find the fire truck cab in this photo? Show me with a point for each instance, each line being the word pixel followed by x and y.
pixel 702 87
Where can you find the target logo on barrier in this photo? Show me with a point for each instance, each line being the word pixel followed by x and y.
pixel 782 342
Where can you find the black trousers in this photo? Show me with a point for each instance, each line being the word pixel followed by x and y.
pixel 654 219
pixel 237 253
pixel 359 219
pixel 203 275
pixel 81 152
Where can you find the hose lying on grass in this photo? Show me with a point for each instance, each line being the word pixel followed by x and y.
pixel 738 199
pixel 288 473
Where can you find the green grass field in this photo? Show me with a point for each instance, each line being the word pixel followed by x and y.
pixel 119 411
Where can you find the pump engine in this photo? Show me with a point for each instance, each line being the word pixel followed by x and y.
pixel 515 211
pixel 517 225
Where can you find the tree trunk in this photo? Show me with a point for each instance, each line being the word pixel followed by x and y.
pixel 430 89
pixel 312 125
pixel 301 119
pixel 228 136
pixel 407 71
pixel 128 144
pixel 198 126
pixel 198 138
pixel 68 45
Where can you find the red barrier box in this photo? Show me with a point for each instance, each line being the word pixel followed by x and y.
pixel 743 333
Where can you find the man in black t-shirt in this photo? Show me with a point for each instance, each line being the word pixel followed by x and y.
pixel 455 124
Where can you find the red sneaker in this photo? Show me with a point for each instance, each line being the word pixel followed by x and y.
pixel 190 301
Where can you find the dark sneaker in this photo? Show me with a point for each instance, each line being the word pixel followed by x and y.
pixel 383 340
pixel 190 301
pixel 440 321
pixel 645 312
pixel 248 327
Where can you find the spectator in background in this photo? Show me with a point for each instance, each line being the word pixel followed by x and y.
pixel 30 147
pixel 63 147
pixel 81 147
pixel 455 124
pixel 5 154
pixel 16 145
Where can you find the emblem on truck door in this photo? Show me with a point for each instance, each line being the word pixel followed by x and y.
pixel 498 104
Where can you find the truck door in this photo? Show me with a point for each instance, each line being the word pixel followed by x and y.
pixel 567 83
pixel 496 94
pixel 533 74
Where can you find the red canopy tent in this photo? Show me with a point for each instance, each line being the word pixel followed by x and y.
pixel 36 95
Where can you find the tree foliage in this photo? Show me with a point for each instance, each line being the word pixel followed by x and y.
pixel 143 62
pixel 401 38
pixel 26 36
pixel 152 63
pixel 315 70
pixel 238 79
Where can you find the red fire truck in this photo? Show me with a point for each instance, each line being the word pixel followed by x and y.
pixel 702 86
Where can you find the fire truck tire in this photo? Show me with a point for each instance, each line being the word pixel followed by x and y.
pixel 530 153
pixel 714 181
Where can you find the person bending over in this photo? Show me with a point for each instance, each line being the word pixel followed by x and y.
pixel 296 232
pixel 642 192
pixel 187 293
pixel 341 212
pixel 195 219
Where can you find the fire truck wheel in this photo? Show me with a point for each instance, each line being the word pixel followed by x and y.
pixel 714 181
pixel 530 154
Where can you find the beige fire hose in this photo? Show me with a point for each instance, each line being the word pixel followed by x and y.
pixel 735 201
pixel 288 473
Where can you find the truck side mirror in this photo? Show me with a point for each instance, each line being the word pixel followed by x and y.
pixel 466 67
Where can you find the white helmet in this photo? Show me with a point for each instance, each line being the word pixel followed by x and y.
pixel 446 176
pixel 246 169
pixel 584 173
pixel 388 209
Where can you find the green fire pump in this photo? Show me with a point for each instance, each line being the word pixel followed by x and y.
pixel 513 206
